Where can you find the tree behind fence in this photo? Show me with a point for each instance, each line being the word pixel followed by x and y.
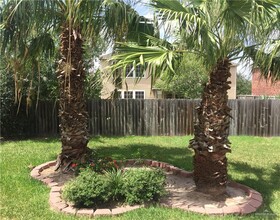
pixel 159 117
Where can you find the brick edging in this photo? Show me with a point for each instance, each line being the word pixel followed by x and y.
pixel 254 198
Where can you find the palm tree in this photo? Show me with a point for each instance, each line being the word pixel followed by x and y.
pixel 219 31
pixel 28 29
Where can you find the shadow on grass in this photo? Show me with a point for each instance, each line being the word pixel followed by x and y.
pixel 52 139
pixel 265 182
pixel 180 157
pixel 177 156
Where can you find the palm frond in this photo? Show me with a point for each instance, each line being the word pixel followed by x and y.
pixel 38 17
pixel 267 59
pixel 42 44
pixel 215 30
pixel 86 16
pixel 154 59
pixel 123 23
pixel 174 10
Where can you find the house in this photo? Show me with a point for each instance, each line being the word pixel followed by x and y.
pixel 132 86
pixel 135 88
pixel 264 87
pixel 232 79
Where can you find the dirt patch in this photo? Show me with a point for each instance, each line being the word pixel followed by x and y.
pixel 57 176
pixel 182 192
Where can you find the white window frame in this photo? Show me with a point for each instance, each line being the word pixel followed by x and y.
pixel 133 93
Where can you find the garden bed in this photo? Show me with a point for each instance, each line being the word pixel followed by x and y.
pixel 180 189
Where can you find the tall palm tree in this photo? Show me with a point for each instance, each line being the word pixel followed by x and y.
pixel 28 29
pixel 219 31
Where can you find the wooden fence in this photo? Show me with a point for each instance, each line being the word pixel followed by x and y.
pixel 161 117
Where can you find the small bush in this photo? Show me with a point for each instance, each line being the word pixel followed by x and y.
pixel 115 180
pixel 88 189
pixel 143 184
pixel 133 186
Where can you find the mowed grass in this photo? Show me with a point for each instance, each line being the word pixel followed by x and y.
pixel 254 161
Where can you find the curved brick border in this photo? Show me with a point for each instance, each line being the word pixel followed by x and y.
pixel 254 198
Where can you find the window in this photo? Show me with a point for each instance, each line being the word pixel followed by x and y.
pixel 139 95
pixel 132 73
pixel 128 95
pixel 129 71
pixel 134 94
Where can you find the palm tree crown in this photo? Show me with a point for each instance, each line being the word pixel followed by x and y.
pixel 213 29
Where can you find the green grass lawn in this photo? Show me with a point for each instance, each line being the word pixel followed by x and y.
pixel 254 161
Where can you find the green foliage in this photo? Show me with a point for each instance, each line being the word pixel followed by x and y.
pixel 133 186
pixel 37 82
pixel 95 163
pixel 115 179
pixel 143 184
pixel 188 80
pixel 93 85
pixel 243 85
pixel 13 119
pixel 18 92
pixel 46 83
pixel 88 189
pixel 6 96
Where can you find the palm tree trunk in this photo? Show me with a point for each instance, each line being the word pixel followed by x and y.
pixel 72 105
pixel 210 141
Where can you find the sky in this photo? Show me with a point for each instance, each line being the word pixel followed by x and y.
pixel 144 10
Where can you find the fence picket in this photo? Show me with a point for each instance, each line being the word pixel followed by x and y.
pixel 159 117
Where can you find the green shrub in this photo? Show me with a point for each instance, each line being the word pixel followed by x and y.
pixel 115 179
pixel 88 189
pixel 143 184
pixel 133 186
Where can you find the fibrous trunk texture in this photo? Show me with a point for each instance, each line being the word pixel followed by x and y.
pixel 72 105
pixel 210 141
